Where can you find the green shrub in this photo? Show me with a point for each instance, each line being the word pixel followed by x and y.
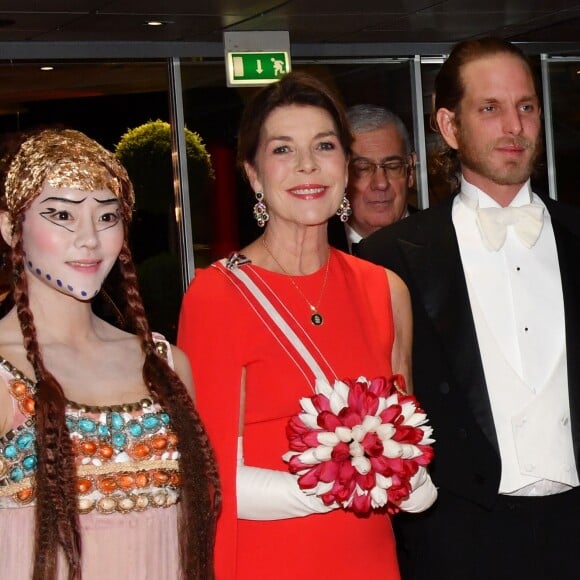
pixel 145 151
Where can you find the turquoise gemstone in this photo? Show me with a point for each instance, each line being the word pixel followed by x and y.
pixel 135 429
pixel 117 422
pixel 103 431
pixel 87 425
pixel 10 451
pixel 29 462
pixel 151 422
pixel 25 440
pixel 71 424
pixel 165 418
pixel 16 474
pixel 119 440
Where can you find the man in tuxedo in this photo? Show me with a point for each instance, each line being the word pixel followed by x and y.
pixel 494 278
pixel 381 172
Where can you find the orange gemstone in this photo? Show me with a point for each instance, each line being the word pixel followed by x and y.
pixel 141 451
pixel 141 480
pixel 161 477
pixel 28 405
pixel 126 481
pixel 172 439
pixel 19 389
pixel 106 451
pixel 24 495
pixel 175 479
pixel 84 485
pixel 88 447
pixel 108 484
pixel 159 442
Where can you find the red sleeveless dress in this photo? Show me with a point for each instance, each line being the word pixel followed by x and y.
pixel 222 334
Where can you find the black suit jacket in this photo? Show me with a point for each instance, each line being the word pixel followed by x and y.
pixel 448 374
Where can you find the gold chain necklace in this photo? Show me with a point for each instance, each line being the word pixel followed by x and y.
pixel 316 318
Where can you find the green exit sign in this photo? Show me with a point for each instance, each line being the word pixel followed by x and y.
pixel 256 68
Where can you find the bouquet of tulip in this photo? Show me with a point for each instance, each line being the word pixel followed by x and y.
pixel 358 443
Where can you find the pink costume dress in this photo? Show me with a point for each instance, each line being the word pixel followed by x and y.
pixel 127 483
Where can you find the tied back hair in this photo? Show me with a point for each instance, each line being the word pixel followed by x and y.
pixel 57 527
pixel 449 91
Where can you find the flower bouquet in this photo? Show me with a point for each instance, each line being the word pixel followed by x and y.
pixel 358 443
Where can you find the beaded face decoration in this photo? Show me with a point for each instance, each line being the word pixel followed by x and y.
pixel 64 158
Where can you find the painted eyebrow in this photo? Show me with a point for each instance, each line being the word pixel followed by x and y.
pixel 63 200
pixel 109 200
pixel 75 202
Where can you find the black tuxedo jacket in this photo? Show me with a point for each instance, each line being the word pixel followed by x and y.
pixel 448 374
pixel 337 233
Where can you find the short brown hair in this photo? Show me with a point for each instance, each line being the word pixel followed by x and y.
pixel 295 88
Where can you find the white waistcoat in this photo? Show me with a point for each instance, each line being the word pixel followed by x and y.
pixel 533 428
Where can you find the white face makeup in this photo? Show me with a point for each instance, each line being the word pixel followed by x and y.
pixel 72 239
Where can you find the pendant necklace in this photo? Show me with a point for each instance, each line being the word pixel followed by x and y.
pixel 316 318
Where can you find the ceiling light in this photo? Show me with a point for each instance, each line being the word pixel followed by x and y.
pixel 155 23
pixel 46 68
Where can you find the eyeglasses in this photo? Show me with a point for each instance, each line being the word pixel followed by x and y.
pixel 393 169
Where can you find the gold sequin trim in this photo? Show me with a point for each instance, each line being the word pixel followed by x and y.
pixel 124 408
pixel 128 503
pixel 12 488
pixel 90 469
pixel 64 158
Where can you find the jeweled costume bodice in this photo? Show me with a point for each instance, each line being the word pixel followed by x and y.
pixel 126 455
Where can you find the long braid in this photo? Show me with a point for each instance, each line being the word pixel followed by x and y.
pixel 200 488
pixel 71 159
pixel 57 521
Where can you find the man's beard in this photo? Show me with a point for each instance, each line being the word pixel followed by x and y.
pixel 514 172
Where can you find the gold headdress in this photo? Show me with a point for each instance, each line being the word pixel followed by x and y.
pixel 64 158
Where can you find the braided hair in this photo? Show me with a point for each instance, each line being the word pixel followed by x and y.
pixel 69 158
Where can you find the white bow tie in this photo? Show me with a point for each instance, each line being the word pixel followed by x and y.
pixel 527 221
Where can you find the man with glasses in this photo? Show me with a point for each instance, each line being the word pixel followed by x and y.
pixel 381 172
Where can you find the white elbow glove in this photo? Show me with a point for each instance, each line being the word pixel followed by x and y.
pixel 423 494
pixel 268 494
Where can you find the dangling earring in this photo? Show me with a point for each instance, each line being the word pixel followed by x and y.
pixel 344 211
pixel 260 210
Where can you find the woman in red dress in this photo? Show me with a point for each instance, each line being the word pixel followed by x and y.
pixel 261 326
